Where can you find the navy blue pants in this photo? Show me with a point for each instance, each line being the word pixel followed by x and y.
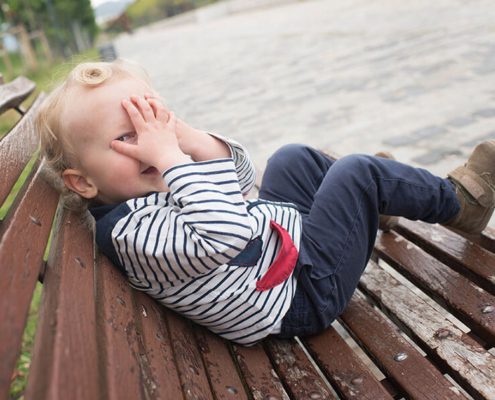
pixel 340 202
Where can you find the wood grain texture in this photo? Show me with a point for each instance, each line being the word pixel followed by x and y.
pixel 262 380
pixel 22 245
pixel 415 375
pixel 300 377
pixel 467 257
pixel 12 94
pixel 16 149
pixel 223 375
pixel 462 297
pixel 350 377
pixel 65 358
pixel 467 359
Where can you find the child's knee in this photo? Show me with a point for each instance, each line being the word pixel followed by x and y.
pixel 355 164
pixel 288 154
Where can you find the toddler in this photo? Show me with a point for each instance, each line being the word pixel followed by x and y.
pixel 170 212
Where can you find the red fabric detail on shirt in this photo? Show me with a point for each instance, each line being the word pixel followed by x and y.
pixel 283 265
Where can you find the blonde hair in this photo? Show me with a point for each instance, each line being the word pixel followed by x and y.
pixel 55 148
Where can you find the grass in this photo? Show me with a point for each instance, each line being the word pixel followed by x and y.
pixel 46 78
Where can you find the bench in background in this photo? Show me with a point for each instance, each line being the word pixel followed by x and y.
pixel 421 325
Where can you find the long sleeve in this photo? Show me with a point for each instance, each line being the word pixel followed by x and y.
pixel 243 165
pixel 201 224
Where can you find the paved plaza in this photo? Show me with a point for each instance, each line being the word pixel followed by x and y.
pixel 415 78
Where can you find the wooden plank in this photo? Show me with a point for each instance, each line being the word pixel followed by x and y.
pixel 65 357
pixel 466 257
pixel 343 368
pixel 12 94
pixel 117 336
pixel 300 377
pixel 159 375
pixel 468 302
pixel 192 373
pixel 261 378
pixel 16 149
pixel 469 362
pixel 486 239
pixel 222 371
pixel 415 375
pixel 22 246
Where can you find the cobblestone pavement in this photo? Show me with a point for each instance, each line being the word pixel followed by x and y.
pixel 415 78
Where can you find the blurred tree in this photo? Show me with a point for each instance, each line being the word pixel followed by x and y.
pixel 58 18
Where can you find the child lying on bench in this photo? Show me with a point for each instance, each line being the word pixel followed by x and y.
pixel 170 213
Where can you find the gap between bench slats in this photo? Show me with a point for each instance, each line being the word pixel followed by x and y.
pixel 462 297
pixel 22 245
pixel 64 363
pixel 415 375
pixel 468 362
pixel 16 149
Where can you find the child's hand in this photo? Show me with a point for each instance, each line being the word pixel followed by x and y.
pixel 187 136
pixel 156 143
pixel 194 142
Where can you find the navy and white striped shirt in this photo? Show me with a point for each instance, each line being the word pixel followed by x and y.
pixel 200 248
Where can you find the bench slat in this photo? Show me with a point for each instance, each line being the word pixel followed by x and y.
pixel 222 371
pixel 65 356
pixel 118 336
pixel 22 245
pixel 464 299
pixel 161 380
pixel 257 370
pixel 12 94
pixel 295 369
pixel 192 373
pixel 438 336
pixel 468 258
pixel 343 368
pixel 16 149
pixel 117 333
pixel 417 377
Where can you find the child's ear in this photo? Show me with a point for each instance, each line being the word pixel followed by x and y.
pixel 77 182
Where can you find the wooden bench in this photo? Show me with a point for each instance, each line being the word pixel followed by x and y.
pixel 421 325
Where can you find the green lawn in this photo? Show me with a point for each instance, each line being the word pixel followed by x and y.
pixel 46 77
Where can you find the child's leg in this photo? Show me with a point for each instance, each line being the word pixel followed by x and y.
pixel 294 174
pixel 340 229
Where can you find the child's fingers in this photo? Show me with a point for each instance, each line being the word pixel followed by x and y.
pixel 144 108
pixel 127 149
pixel 134 114
pixel 172 121
pixel 161 112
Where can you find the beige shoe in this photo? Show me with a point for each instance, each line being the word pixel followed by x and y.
pixel 475 188
pixel 387 222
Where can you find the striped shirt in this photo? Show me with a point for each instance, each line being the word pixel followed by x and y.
pixel 200 248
